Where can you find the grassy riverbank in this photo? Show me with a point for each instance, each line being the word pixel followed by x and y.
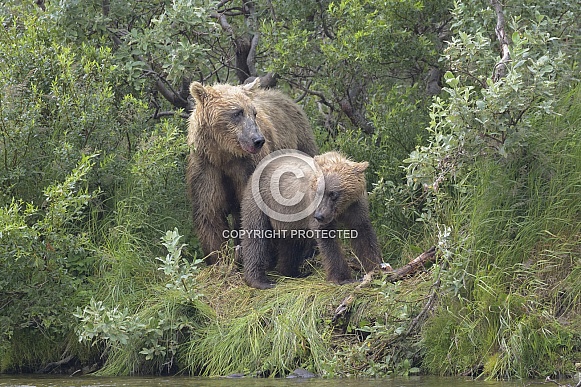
pixel 502 301
pixel 475 154
pixel 506 288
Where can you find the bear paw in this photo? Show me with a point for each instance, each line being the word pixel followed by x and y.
pixel 260 284
pixel 341 281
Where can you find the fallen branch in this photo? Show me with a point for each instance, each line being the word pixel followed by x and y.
pixel 382 346
pixel 342 308
pixel 413 266
pixel 392 276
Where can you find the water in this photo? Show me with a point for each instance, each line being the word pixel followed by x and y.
pixel 181 381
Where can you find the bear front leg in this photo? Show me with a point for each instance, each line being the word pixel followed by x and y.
pixel 256 251
pixel 210 206
pixel 364 243
pixel 333 259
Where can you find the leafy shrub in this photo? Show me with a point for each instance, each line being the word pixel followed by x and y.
pixel 45 264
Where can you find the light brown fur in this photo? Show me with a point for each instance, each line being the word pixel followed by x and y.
pixel 223 155
pixel 344 202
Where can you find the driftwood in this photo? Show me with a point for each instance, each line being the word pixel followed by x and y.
pixel 549 380
pixel 392 276
pixel 51 366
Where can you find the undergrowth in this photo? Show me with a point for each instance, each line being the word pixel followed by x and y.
pixel 513 290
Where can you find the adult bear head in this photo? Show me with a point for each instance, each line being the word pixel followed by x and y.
pixel 225 117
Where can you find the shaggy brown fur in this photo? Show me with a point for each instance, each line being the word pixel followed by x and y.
pixel 271 240
pixel 230 130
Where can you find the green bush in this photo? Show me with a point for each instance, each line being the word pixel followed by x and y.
pixel 46 261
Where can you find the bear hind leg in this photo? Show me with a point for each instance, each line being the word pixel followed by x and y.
pixel 292 253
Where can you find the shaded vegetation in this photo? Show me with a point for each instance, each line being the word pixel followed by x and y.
pixel 487 168
pixel 513 301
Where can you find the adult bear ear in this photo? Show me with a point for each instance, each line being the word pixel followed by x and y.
pixel 198 92
pixel 255 84
pixel 360 167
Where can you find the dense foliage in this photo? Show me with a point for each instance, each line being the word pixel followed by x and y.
pixel 469 150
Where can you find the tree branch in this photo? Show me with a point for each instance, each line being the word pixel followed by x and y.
pixel 105 7
pixel 267 81
pixel 356 111
pixel 165 88
pixel 251 58
pixel 223 23
pixel 245 44
pixel 501 69
pixel 41 4
pixel 222 3
pixel 169 113
pixel 392 276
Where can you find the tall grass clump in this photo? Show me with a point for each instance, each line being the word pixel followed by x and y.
pixel 513 295
pixel 278 331
pixel 273 332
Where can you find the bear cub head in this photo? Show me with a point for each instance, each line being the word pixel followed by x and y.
pixel 344 184
pixel 225 117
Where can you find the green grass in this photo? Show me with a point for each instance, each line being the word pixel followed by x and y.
pixel 517 262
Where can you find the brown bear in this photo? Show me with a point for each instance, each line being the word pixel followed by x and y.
pixel 293 200
pixel 230 130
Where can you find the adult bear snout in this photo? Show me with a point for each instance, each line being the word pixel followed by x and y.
pixel 258 141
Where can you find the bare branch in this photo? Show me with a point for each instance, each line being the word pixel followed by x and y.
pixel 165 88
pixel 356 111
pixel 169 113
pixel 319 94
pixel 250 15
pixel 222 3
pixel 251 58
pixel 500 70
pixel 106 7
pixel 223 23
pixel 392 276
pixel 433 83
pixel 41 4
pixel 242 44
pixel 267 81
pixel 271 9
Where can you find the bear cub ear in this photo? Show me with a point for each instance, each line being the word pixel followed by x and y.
pixel 198 91
pixel 360 167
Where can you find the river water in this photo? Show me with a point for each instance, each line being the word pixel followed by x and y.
pixel 181 381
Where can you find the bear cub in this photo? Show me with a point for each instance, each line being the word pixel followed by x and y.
pixel 292 202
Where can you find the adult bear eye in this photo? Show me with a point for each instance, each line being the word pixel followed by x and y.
pixel 333 195
pixel 238 113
